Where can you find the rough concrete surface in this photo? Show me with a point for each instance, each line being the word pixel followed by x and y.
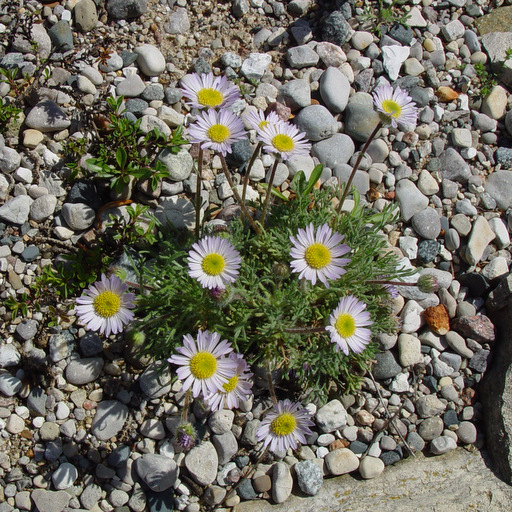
pixel 459 481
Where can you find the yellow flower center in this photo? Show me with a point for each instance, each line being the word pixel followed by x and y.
pixel 213 264
pixel 283 143
pixel 345 325
pixel 203 365
pixel 218 133
pixel 231 384
pixel 317 256
pixel 107 304
pixel 392 108
pixel 210 97
pixel 284 424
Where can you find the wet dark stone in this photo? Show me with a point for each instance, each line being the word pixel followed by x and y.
pixel 241 153
pixel 427 251
pixel 401 33
pixel 477 284
pixel 336 29
pixel 391 457
pixel 85 192
pixel 450 418
pixel 246 491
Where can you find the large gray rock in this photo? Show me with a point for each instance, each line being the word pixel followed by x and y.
pixel 334 89
pixel 499 187
pixel 335 150
pixel 158 472
pixel 496 386
pixel 361 119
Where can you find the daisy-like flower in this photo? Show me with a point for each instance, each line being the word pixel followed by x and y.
pixel 207 91
pixel 318 255
pixel 258 120
pixel 395 106
pixel 214 262
pixel 348 325
pixel 284 425
pixel 203 365
pixel 105 306
pixel 217 130
pixel 236 389
pixel 284 139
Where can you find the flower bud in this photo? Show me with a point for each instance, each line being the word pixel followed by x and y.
pixel 186 435
pixel 135 337
pixel 281 270
pixel 427 283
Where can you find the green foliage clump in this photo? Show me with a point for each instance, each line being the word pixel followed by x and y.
pixel 268 314
pixel 124 152
pixel 385 16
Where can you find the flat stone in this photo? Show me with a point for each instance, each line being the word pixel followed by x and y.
pixel 371 467
pixel 361 119
pixel 226 446
pixel 410 199
pixel 202 462
pixel 334 89
pixel 282 482
pixel 9 355
pixel 300 57
pixel 50 501
pixel 156 380
pixel 9 384
pixel 341 461
pixel 331 416
pixel 150 59
pixel 480 237
pixel 158 472
pixel 430 428
pixel 83 371
pixel 499 187
pixel 467 432
pixel 255 66
pixel 409 350
pixel 453 166
pixel 386 366
pixel 179 165
pixel 458 343
pixel 131 87
pixel 109 419
pixel 442 444
pixel 317 122
pixel 429 405
pixel 16 210
pixel 335 150
pixel 78 216
pixel 64 476
pixel 46 117
pixel 309 477
pixel 392 58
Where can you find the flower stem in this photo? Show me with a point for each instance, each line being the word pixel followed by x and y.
pixel 237 195
pixel 270 383
pixel 269 190
pixel 394 283
pixel 356 166
pixel 184 413
pixel 249 167
pixel 198 191
pixel 304 330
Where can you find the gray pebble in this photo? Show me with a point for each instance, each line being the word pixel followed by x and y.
pixel 309 477
pixel 83 371
pixel 317 122
pixel 109 419
pixel 9 384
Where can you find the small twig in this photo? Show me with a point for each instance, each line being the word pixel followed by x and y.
pixel 198 191
pixel 390 417
pixel 269 190
pixel 237 195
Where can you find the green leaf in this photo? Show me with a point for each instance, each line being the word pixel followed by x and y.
pixel 274 191
pixel 315 175
pixel 121 157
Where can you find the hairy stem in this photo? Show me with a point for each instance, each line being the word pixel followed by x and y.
pixel 249 167
pixel 356 166
pixel 237 195
pixel 198 191
pixel 269 190
pixel 270 383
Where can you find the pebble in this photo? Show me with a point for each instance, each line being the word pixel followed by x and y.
pixel 158 472
pixel 309 477
pixel 410 199
pixel 202 462
pixel 64 476
pixel 371 467
pixel 150 60
pixel 83 371
pixel 335 150
pixel 282 482
pixel 9 384
pixel 341 461
pixel 480 237
pixel 9 355
pixel 332 416
pixel 254 66
pixel 109 419
pixel 316 122
pixel 334 89
pixel 50 501
pixel 442 444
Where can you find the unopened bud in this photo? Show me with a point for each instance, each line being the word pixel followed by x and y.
pixel 281 270
pixel 186 435
pixel 136 338
pixel 427 283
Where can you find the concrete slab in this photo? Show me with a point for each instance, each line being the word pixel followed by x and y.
pixel 459 481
